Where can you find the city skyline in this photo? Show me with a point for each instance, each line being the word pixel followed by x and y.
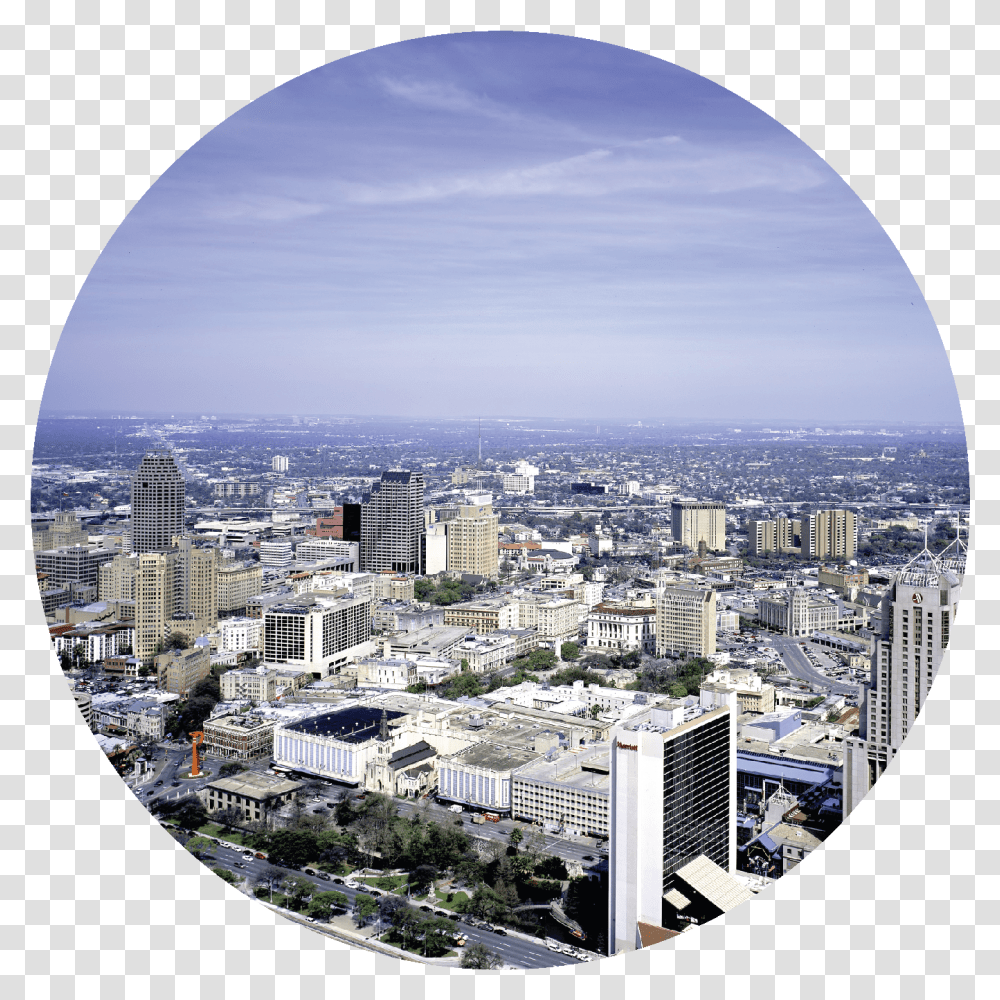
pixel 460 206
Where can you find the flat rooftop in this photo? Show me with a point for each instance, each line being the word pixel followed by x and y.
pixel 494 756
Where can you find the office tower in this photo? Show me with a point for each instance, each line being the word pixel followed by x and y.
pixel 472 540
pixel 829 534
pixel 157 503
pixel 279 463
pixel 673 799
pixel 692 522
pixel 685 621
pixel 917 613
pixel 392 520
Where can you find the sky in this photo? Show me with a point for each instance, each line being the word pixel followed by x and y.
pixel 505 224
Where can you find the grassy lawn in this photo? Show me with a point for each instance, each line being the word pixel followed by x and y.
pixel 442 899
pixel 390 883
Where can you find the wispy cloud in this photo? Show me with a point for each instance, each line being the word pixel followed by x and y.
pixel 262 208
pixel 437 96
pixel 664 163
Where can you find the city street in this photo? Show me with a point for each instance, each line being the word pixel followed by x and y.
pixel 799 666
pixel 515 949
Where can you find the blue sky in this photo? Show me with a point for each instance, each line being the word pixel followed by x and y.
pixel 505 224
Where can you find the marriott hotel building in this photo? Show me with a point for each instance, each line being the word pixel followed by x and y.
pixel 673 799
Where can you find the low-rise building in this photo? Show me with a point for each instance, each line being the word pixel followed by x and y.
pixel 481 775
pixel 257 684
pixel 623 625
pixel 256 796
pixel 568 791
pixel 238 737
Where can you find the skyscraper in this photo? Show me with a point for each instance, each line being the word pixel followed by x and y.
pixel 392 520
pixel 157 502
pixel 917 613
pixel 673 799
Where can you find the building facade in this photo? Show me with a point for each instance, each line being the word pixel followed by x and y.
pixel 830 534
pixel 673 799
pixel 392 521
pixel 157 503
pixel 692 522
pixel 918 611
pixel 685 621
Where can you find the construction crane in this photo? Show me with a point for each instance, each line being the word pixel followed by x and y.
pixel 196 739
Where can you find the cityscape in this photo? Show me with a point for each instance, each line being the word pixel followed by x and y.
pixel 498 692
pixel 529 508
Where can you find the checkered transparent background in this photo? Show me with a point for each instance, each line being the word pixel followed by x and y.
pixel 99 98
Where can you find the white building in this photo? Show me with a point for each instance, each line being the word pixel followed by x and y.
pixel 623 625
pixel 673 799
pixel 276 554
pixel 336 745
pixel 239 634
pixel 480 776
pixel 317 549
pixel 317 635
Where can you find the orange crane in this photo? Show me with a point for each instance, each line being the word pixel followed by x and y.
pixel 196 739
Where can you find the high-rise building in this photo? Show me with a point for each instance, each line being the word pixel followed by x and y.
pixel 392 520
pixel 692 522
pixel 473 540
pixel 157 503
pixel 685 621
pixel 279 463
pixel 829 534
pixel 918 611
pixel 673 799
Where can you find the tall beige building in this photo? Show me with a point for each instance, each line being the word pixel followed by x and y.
pixel 174 591
pixel 692 522
pixel 235 584
pixel 778 535
pixel 472 541
pixel 829 534
pixel 685 621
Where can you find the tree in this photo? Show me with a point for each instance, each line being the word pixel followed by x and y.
pixel 322 903
pixel 176 640
pixel 200 847
pixel 226 875
pixel 569 651
pixel 478 956
pixel 421 879
pixel 365 908
pixel 297 889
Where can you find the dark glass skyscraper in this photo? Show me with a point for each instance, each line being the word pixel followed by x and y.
pixel 157 502
pixel 392 520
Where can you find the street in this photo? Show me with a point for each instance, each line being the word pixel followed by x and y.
pixel 799 666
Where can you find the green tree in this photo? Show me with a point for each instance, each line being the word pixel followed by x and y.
pixel 297 890
pixel 226 875
pixel 569 651
pixel 200 847
pixel 176 640
pixel 365 907
pixel 478 956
